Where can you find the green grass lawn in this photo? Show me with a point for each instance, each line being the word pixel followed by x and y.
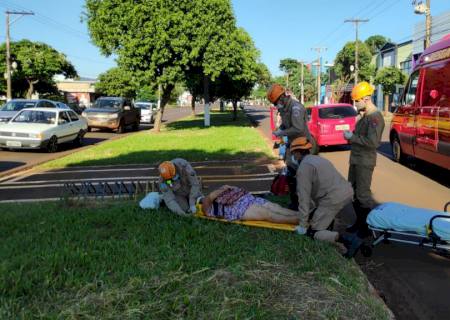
pixel 187 138
pixel 116 261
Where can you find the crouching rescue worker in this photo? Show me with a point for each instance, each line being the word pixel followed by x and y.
pixel 364 140
pixel 325 198
pixel 294 119
pixel 180 186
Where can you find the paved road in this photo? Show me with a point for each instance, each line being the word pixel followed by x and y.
pixel 15 159
pixel 414 282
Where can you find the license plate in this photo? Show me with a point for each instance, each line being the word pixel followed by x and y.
pixel 13 143
pixel 342 127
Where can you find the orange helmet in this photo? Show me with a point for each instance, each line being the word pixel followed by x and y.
pixel 275 92
pixel 361 90
pixel 167 170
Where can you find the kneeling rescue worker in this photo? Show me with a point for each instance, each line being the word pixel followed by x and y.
pixel 364 143
pixel 325 198
pixel 180 186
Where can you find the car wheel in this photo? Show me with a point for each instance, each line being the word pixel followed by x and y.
pixel 136 125
pixel 78 142
pixel 52 145
pixel 397 152
pixel 121 128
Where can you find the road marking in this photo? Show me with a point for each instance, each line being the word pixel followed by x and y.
pixel 100 179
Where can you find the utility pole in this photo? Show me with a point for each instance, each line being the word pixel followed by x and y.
pixel 356 22
pixel 319 67
pixel 428 25
pixel 302 83
pixel 8 49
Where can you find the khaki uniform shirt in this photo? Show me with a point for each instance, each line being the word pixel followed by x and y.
pixel 319 184
pixel 187 186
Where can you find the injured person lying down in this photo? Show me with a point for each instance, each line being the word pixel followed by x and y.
pixel 233 203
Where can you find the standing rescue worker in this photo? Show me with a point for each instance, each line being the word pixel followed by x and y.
pixel 294 119
pixel 325 197
pixel 364 140
pixel 180 186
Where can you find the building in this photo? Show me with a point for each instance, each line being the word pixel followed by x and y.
pixel 79 92
pixel 393 55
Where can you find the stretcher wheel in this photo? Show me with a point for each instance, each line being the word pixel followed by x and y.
pixel 366 250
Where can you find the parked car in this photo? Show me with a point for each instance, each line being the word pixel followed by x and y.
pixel 112 113
pixel 11 108
pixel 148 111
pixel 73 107
pixel 42 128
pixel 420 127
pixel 327 123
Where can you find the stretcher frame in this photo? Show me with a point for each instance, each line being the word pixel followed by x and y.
pixel 431 240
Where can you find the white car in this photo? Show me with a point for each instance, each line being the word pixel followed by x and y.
pixel 42 128
pixel 148 111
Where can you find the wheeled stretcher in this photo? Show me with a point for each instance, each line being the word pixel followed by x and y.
pixel 401 223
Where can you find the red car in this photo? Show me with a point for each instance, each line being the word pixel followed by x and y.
pixel 327 123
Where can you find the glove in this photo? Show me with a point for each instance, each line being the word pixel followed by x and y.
pixel 277 133
pixel 348 134
pixel 301 230
pixel 193 209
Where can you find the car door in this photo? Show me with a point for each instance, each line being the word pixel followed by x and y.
pixel 75 123
pixel 128 114
pixel 64 130
pixel 427 113
pixel 405 118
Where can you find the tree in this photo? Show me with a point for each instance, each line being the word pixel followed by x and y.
pixel 162 42
pixel 37 64
pixel 389 77
pixel 346 58
pixel 375 43
pixel 116 82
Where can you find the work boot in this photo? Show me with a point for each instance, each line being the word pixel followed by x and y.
pixel 352 242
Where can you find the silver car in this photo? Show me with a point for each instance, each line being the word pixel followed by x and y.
pixel 148 111
pixel 11 108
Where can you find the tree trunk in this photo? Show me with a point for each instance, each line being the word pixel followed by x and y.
pixel 207 119
pixel 386 104
pixel 222 106
pixel 30 90
pixel 193 105
pixel 167 91
pixel 235 110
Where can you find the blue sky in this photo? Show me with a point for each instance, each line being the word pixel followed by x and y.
pixel 280 29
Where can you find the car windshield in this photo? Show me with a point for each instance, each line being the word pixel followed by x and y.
pixel 17 105
pixel 107 104
pixel 36 116
pixel 143 106
pixel 337 112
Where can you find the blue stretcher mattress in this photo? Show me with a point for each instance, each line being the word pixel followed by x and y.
pixel 400 217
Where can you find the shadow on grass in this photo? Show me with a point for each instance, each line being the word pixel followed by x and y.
pixel 156 156
pixel 218 119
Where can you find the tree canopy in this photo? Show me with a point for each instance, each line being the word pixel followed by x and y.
pixel 375 43
pixel 389 77
pixel 116 82
pixel 346 58
pixel 37 64
pixel 165 42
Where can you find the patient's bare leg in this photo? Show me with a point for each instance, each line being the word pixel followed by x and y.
pixel 271 212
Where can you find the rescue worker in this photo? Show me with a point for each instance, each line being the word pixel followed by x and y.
pixel 364 141
pixel 294 120
pixel 325 197
pixel 180 186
